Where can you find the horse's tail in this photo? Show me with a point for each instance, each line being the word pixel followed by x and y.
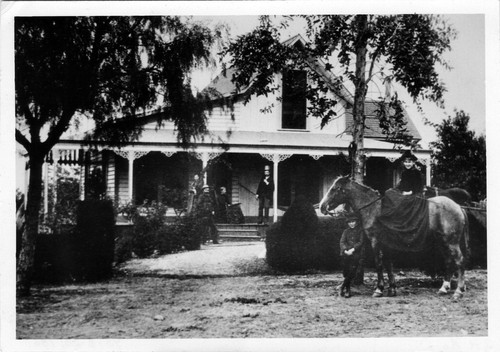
pixel 465 237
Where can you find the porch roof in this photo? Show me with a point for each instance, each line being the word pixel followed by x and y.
pixel 283 142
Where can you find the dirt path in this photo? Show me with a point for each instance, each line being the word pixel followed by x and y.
pixel 232 293
pixel 225 259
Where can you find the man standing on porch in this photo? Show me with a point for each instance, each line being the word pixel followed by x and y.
pixel 265 195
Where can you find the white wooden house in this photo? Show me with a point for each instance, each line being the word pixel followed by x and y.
pixel 274 130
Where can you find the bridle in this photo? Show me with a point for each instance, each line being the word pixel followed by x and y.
pixel 342 190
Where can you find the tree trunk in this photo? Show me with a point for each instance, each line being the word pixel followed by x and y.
pixel 358 111
pixel 25 264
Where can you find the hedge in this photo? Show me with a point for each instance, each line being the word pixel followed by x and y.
pixel 81 253
pixel 94 232
pixel 149 237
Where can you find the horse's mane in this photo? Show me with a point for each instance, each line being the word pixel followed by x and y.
pixel 344 179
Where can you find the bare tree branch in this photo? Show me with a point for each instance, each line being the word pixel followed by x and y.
pixel 21 139
pixel 59 128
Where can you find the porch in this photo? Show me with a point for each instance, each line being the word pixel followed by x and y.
pixel 143 172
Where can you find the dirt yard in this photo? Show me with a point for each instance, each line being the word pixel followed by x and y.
pixel 228 291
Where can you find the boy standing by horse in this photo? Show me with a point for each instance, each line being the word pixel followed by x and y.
pixel 351 244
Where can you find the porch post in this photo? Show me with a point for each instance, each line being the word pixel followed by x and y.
pixel 56 155
pixel 276 160
pixel 204 162
pixel 130 158
pixel 45 189
pixel 82 181
pixel 428 172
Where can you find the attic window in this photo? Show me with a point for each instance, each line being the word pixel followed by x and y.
pixel 294 100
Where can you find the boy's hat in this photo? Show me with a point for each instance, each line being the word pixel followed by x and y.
pixel 205 186
pixel 351 217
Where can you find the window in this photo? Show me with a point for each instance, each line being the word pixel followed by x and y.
pixel 294 100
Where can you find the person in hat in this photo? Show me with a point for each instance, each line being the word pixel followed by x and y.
pixel 205 210
pixel 222 204
pixel 194 192
pixel 411 179
pixel 264 195
pixel 351 250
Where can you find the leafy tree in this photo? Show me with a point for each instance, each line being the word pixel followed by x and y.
pixel 402 48
pixel 459 156
pixel 109 69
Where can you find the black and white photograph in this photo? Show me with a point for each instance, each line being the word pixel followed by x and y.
pixel 249 175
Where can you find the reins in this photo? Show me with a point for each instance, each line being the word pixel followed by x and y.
pixel 379 198
pixel 374 201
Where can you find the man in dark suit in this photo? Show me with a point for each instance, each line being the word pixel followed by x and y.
pixel 265 195
pixel 205 211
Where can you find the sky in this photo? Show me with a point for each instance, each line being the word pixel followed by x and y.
pixel 465 82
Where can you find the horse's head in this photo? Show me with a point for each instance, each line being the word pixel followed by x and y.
pixel 336 195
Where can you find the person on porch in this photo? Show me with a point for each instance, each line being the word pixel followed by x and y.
pixel 194 192
pixel 222 204
pixel 264 195
pixel 205 210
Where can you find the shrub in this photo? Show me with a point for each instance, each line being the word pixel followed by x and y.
pixel 82 253
pixel 152 235
pixel 290 244
pixel 55 258
pixel 124 238
pixel 148 222
pixel 182 234
pixel 302 241
pixel 94 239
pixel 62 214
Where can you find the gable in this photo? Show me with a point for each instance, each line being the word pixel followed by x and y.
pixel 373 129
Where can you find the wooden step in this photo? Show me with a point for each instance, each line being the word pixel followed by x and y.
pixel 240 226
pixel 237 238
pixel 241 232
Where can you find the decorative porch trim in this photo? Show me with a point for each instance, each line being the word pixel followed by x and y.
pixel 213 155
pixel 316 156
pixel 276 157
pixel 168 153
pixel 131 154
pixel 197 155
pixel 269 157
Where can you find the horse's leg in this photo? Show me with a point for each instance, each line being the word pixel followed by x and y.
pixel 445 287
pixel 377 254
pixel 459 265
pixel 387 260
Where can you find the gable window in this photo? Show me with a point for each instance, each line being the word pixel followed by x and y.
pixel 294 100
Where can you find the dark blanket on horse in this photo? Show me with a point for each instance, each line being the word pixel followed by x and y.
pixel 403 222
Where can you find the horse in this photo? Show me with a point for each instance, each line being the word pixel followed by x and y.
pixel 458 195
pixel 448 224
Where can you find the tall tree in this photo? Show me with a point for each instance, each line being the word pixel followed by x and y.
pixel 106 68
pixel 459 156
pixel 402 48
